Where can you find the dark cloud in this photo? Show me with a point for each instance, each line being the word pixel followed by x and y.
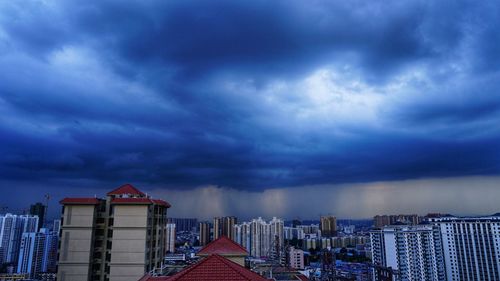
pixel 249 95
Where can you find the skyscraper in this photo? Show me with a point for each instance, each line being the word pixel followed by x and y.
pixel 38 209
pixel 171 229
pixel 328 226
pixel 204 233
pixel 31 253
pixel 50 252
pixel 11 229
pixel 118 238
pixel 414 252
pixel 223 226
pixel 217 228
pixel 384 220
pixel 471 246
pixel 242 235
pixel 260 238
pixel 184 224
pixel 228 226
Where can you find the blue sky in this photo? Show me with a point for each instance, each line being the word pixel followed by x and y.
pixel 248 96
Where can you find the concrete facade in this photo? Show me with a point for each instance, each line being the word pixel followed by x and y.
pixel 119 238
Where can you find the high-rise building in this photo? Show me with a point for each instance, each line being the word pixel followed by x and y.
pixel 217 228
pixel 413 252
pixel 204 228
pixel 50 252
pixel 38 209
pixel 170 247
pixel 56 227
pixel 296 258
pixel 310 229
pixel 31 253
pixel 38 253
pixel 12 228
pixel 223 226
pixel 184 224
pixel 471 246
pixel 260 238
pixel 277 238
pixel 228 226
pixel 118 238
pixel 385 220
pixel 328 226
pixel 242 235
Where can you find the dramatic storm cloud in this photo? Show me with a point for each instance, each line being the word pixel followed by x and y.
pixel 249 96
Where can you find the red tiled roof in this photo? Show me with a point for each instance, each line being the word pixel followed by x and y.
pixel 146 201
pixel 161 202
pixel 126 189
pixel 212 268
pixel 223 246
pixel 80 201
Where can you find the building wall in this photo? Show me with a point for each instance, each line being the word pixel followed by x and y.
pixel 76 243
pixel 472 248
pixel 204 233
pixel 171 230
pixel 414 252
pixel 130 233
pixel 296 258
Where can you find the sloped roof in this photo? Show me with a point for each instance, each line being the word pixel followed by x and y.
pixel 212 268
pixel 146 201
pixel 80 201
pixel 126 189
pixel 223 246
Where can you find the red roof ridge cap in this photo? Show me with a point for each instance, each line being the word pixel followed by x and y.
pixel 221 239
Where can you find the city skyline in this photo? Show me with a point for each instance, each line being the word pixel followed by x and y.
pixel 263 107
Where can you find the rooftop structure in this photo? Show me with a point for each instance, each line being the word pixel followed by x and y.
pixel 226 248
pixel 212 268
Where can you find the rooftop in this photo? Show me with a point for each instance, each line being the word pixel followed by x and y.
pixel 127 189
pixel 143 200
pixel 212 268
pixel 223 246
pixel 80 201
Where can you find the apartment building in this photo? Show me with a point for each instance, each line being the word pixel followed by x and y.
pixel 117 238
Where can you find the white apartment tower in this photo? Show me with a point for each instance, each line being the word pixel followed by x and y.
pixel 12 228
pixel 260 238
pixel 415 253
pixel 170 246
pixel 38 253
pixel 471 247
pixel 242 234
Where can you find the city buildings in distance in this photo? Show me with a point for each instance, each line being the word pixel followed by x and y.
pixel 328 226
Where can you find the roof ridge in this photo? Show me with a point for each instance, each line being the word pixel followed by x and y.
pixel 219 240
pixel 236 268
pixel 128 186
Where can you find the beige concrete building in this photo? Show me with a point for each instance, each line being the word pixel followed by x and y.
pixel 119 238
pixel 204 233
pixel 223 226
pixel 296 258
pixel 328 226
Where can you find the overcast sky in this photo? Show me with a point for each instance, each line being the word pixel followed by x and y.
pixel 242 101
